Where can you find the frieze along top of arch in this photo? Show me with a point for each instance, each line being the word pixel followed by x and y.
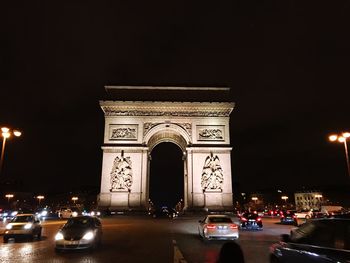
pixel 156 108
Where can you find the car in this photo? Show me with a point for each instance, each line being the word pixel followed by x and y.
pixel 250 221
pixel 304 214
pixel 316 241
pixel 45 213
pixel 92 212
pixel 23 225
pixel 288 217
pixel 81 232
pixel 163 212
pixel 8 214
pixel 218 227
pixel 65 213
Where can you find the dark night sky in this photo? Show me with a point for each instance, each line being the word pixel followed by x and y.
pixel 287 63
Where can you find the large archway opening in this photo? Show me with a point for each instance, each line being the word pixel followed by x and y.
pixel 166 175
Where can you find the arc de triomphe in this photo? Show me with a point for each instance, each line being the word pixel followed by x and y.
pixel 134 128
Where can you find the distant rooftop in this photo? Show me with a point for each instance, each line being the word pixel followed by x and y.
pixel 163 93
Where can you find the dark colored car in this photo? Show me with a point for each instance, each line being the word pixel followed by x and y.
pixel 250 221
pixel 288 217
pixel 163 212
pixel 81 232
pixel 316 241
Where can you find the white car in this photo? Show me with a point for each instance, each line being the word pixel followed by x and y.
pixel 218 227
pixel 306 214
pixel 67 213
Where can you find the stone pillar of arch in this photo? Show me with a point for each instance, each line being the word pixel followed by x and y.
pixel 134 128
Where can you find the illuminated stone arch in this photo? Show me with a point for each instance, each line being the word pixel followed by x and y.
pixel 134 128
pixel 167 132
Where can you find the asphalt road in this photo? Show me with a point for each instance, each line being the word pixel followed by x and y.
pixel 144 239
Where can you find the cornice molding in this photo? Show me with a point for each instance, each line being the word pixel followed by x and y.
pixel 152 108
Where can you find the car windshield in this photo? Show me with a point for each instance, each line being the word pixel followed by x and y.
pixel 220 220
pixel 78 222
pixel 250 216
pixel 22 219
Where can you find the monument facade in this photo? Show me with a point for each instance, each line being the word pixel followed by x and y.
pixel 133 128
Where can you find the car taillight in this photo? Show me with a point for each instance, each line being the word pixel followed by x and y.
pixel 294 216
pixel 210 226
pixel 233 226
pixel 243 219
pixel 282 216
pixel 258 219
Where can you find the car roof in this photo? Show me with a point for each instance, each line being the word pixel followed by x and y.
pixel 218 216
pixel 25 215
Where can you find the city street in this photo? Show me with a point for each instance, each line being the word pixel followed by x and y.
pixel 144 239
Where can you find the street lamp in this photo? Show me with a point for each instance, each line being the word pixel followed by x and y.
pixel 284 197
pixel 74 199
pixel 255 199
pixel 342 139
pixel 9 196
pixel 6 133
pixel 40 197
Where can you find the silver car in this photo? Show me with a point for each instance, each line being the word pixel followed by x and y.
pixel 218 227
pixel 23 225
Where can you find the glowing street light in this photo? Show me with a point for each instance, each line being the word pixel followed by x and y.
pixel 255 199
pixel 342 139
pixel 6 133
pixel 9 196
pixel 40 197
pixel 284 197
pixel 74 199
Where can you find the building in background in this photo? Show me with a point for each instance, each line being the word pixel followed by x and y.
pixel 308 200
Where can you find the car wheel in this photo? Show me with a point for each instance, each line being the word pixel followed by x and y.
pixel 307 217
pixel 205 239
pixel 6 239
pixel 57 250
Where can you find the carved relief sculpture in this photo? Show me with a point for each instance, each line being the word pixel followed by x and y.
pixel 210 134
pixel 121 174
pixel 123 133
pixel 212 175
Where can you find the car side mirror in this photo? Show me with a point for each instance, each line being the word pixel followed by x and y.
pixel 285 238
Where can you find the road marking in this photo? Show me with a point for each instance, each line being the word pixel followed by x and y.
pixel 178 257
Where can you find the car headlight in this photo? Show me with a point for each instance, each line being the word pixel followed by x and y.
pixel 28 226
pixel 89 235
pixel 92 213
pixel 74 214
pixel 59 236
pixel 43 213
pixel 98 213
pixel 8 226
pixel 14 213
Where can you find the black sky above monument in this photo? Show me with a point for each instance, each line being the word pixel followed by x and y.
pixel 286 62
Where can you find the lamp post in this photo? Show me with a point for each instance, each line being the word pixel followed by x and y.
pixel 285 198
pixel 255 199
pixel 9 196
pixel 74 199
pixel 342 139
pixel 40 197
pixel 6 133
